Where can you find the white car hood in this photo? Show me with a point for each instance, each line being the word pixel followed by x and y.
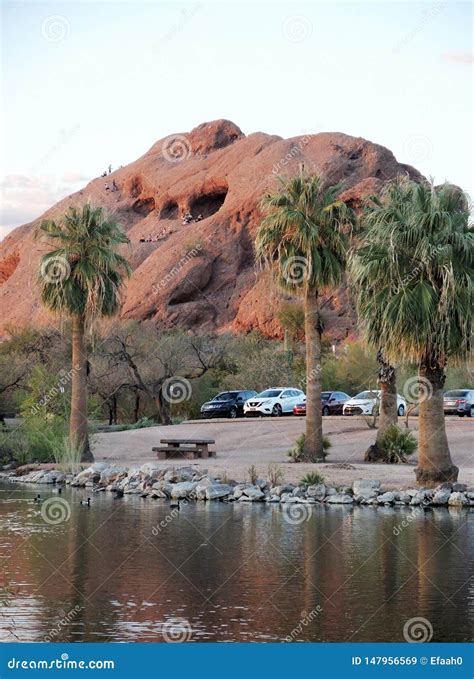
pixel 359 401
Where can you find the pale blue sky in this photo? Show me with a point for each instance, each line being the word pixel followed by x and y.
pixel 85 84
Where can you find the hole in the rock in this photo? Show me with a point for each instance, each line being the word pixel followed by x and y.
pixel 135 187
pixel 144 206
pixel 169 210
pixel 208 204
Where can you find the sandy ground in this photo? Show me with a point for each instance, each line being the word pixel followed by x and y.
pixel 243 442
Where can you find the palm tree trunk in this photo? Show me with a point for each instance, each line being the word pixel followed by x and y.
pixel 313 448
pixel 388 395
pixel 78 423
pixel 434 459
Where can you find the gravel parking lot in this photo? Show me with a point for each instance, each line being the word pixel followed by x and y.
pixel 243 442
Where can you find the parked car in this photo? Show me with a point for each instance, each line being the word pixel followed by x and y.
pixel 274 401
pixel 332 403
pixel 226 404
pixel 367 403
pixel 459 401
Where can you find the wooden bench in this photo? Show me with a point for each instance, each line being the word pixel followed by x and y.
pixel 188 449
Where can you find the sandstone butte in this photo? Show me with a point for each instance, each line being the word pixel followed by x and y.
pixel 202 276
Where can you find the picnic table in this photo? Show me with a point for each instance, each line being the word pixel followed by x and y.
pixel 188 449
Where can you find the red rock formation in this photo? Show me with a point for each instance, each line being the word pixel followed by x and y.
pixel 201 275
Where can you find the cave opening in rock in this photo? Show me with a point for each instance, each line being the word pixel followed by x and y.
pixel 208 204
pixel 169 210
pixel 143 206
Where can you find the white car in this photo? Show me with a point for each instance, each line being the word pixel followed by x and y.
pixel 274 401
pixel 368 402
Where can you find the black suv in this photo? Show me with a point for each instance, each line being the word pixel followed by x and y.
pixel 226 404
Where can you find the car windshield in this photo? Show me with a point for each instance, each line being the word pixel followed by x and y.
pixel 270 393
pixel 325 395
pixel 364 395
pixel 226 396
pixel 456 393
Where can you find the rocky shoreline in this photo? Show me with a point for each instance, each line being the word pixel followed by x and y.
pixel 193 484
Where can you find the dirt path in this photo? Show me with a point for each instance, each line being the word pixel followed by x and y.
pixel 241 443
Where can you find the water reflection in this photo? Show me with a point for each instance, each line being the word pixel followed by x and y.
pixel 122 569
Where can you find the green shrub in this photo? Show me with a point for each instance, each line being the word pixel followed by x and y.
pixel 296 453
pixel 312 479
pixel 396 444
pixel 68 456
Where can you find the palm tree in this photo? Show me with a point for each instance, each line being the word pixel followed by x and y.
pixel 302 240
pixel 81 279
pixel 414 282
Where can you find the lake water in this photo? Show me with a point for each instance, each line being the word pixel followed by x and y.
pixel 133 570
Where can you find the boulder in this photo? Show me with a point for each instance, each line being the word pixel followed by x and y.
pixel 365 487
pixel 183 489
pixel 458 499
pixel 441 497
pixel 318 491
pixel 253 493
pixel 386 498
pixel 111 474
pixel 340 499
pixel 218 490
